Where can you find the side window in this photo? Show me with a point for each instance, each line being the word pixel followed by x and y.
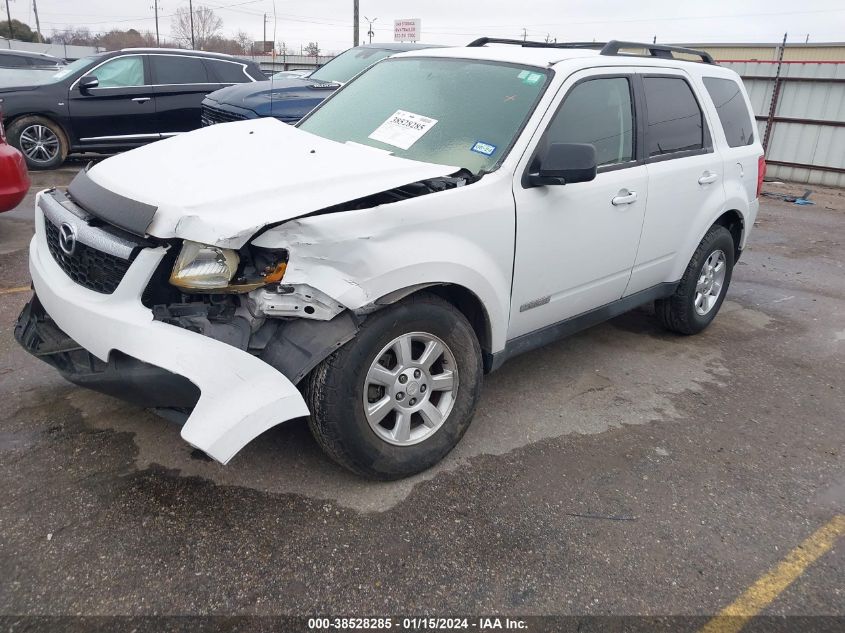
pixel 598 112
pixel 733 113
pixel 13 61
pixel 675 122
pixel 178 69
pixel 121 72
pixel 228 72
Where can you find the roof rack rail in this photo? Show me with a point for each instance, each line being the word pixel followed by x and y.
pixel 610 48
pixel 482 41
pixel 663 51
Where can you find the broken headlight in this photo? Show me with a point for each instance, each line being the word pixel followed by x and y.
pixel 214 270
pixel 204 267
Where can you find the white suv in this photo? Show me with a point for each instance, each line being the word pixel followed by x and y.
pixel 441 213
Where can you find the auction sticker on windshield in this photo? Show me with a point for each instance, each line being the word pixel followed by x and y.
pixel 403 129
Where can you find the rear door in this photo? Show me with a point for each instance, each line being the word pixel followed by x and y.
pixel 120 110
pixel 685 174
pixel 181 83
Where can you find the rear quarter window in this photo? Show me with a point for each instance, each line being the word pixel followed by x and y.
pixel 227 72
pixel 733 112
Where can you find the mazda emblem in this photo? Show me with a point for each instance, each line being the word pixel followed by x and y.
pixel 67 238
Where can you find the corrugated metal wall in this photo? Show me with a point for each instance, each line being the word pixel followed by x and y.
pixel 807 139
pixel 793 52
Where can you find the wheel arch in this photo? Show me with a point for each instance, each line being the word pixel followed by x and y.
pixel 10 121
pixel 734 222
pixel 464 301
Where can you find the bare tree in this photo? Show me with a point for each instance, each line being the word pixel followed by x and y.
pixel 115 39
pixel 206 26
pixel 244 41
pixel 313 49
pixel 218 44
pixel 81 36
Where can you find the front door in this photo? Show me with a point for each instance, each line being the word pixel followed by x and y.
pixel 120 110
pixel 576 243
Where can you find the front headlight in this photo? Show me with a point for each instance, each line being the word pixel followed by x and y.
pixel 204 267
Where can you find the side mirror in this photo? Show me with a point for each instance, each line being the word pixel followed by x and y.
pixel 88 82
pixel 563 163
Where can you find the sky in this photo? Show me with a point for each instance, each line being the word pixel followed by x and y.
pixel 456 22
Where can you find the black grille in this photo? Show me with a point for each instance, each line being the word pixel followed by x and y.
pixel 87 266
pixel 211 115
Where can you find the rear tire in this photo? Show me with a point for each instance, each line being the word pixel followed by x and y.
pixel 398 397
pixel 41 141
pixel 702 289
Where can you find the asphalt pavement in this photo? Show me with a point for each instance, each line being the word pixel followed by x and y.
pixel 622 471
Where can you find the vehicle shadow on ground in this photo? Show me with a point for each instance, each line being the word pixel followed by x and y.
pixel 626 371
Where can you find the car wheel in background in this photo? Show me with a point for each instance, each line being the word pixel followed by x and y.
pixel 41 141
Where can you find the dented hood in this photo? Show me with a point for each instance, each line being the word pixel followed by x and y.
pixel 221 184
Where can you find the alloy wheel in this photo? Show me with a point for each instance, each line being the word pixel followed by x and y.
pixel 711 280
pixel 410 388
pixel 39 143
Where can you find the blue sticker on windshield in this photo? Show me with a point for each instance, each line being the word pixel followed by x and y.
pixel 481 147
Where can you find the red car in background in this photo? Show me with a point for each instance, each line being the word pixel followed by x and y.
pixel 14 179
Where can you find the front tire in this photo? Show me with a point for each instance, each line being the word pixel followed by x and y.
pixel 398 397
pixel 702 289
pixel 41 141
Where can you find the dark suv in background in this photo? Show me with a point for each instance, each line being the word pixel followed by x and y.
pixel 290 99
pixel 115 101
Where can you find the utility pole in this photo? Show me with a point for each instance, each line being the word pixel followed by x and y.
pixel 370 32
pixel 38 23
pixel 355 23
pixel 12 32
pixel 264 41
pixel 191 10
pixel 155 8
pixel 524 34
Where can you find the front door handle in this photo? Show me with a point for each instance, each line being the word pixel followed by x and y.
pixel 624 197
pixel 708 177
pixel 141 99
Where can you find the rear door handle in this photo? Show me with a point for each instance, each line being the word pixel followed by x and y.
pixel 624 198
pixel 141 99
pixel 708 177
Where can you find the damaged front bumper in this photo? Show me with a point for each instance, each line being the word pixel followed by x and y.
pixel 240 396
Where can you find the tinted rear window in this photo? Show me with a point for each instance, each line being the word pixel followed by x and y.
pixel 733 113
pixel 227 72
pixel 675 122
pixel 174 69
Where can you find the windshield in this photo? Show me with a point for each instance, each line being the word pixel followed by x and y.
pixel 348 64
pixel 464 113
pixel 71 68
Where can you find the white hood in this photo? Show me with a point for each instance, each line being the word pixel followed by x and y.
pixel 220 184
